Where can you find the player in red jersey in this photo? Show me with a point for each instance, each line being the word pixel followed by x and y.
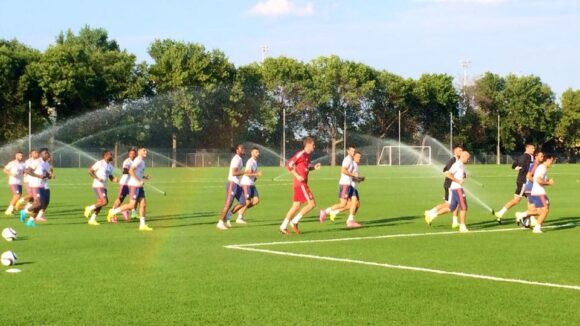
pixel 299 165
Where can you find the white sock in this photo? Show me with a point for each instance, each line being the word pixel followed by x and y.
pixel 328 210
pixel 92 207
pixel 350 218
pixel 240 216
pixel 116 210
pixel 284 224
pixel 221 223
pixel 133 211
pixel 455 220
pixel 11 208
pixel 27 207
pixel 502 211
pixel 142 221
pixel 433 210
pixel 335 212
pixel 93 217
pixel 432 214
pixel 31 218
pixel 296 219
pixel 40 214
pixel 538 227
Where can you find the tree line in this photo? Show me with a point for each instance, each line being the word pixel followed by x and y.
pixel 202 100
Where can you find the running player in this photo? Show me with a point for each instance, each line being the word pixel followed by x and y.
pixel 457 196
pixel 100 172
pixel 136 190
pixel 248 184
pixel 443 208
pixel 233 189
pixel 46 170
pixel 36 182
pixel 123 187
pixel 538 193
pixel 521 165
pixel 354 197
pixel 27 199
pixel 15 170
pixel 344 187
pixel 523 218
pixel 299 165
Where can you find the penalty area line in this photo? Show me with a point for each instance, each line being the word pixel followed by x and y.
pixel 409 268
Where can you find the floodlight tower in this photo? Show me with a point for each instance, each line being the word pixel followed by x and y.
pixel 264 51
pixel 465 64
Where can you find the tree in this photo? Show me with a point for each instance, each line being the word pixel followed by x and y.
pixel 84 72
pixel 568 128
pixel 287 81
pixel 15 89
pixel 341 91
pixel 196 85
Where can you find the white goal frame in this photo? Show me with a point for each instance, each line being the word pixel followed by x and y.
pixel 420 160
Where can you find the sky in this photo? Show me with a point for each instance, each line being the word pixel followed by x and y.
pixel 406 37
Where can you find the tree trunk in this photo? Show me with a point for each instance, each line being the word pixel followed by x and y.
pixel 174 149
pixel 333 143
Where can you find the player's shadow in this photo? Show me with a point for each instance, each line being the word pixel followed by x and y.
pixel 489 224
pixel 182 216
pixel 390 221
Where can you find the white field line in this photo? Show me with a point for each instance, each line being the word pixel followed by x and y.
pixel 251 247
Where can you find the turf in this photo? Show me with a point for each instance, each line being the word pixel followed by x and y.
pixel 181 273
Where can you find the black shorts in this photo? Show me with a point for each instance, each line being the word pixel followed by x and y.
pixel 520 189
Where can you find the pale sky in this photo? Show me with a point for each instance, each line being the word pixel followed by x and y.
pixel 540 37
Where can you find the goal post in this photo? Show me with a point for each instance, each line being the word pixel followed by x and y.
pixel 405 155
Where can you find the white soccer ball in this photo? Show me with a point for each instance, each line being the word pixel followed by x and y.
pixel 8 258
pixel 9 234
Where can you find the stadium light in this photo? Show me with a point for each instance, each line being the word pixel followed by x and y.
pixel 344 135
pixel 29 126
pixel 399 136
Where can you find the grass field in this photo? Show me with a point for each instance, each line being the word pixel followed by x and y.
pixel 187 272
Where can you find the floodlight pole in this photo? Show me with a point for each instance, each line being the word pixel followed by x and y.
pixel 284 136
pixel 451 132
pixel 344 134
pixel 29 126
pixel 498 160
pixel 399 136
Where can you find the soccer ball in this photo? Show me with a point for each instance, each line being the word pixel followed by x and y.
pixel 9 234
pixel 8 258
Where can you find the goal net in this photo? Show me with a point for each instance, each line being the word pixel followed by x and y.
pixel 405 155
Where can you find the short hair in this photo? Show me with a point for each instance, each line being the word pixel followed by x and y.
pixel 528 145
pixel 44 149
pixel 549 157
pixel 255 148
pixel 106 151
pixel 308 140
pixel 351 146
pixel 235 148
pixel 18 152
pixel 32 151
pixel 456 146
pixel 357 153
pixel 132 149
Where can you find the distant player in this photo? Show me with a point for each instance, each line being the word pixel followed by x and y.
pixel 344 186
pixel 233 189
pixel 523 218
pixel 248 184
pixel 458 199
pixel 123 187
pixel 521 165
pixel 15 170
pixel 136 190
pixel 443 208
pixel 299 165
pixel 354 197
pixel 539 197
pixel 100 172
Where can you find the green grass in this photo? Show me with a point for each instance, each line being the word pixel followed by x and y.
pixel 181 273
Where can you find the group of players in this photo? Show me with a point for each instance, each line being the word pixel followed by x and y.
pixel 531 181
pixel 35 172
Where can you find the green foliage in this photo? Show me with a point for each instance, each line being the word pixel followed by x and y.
pixel 568 128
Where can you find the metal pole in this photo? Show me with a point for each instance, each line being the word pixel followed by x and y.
pixel 498 152
pixel 399 136
pixel 29 126
pixel 451 132
pixel 284 137
pixel 344 135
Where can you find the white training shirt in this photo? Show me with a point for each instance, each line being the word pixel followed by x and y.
pixel 28 163
pixel 252 166
pixel 16 169
pixel 354 170
pixel 346 180
pixel 36 166
pixel 236 162
pixel 103 170
pixel 126 165
pixel 46 167
pixel 139 166
pixel 458 171
pixel 541 172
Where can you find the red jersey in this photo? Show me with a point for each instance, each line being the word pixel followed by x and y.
pixel 300 163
